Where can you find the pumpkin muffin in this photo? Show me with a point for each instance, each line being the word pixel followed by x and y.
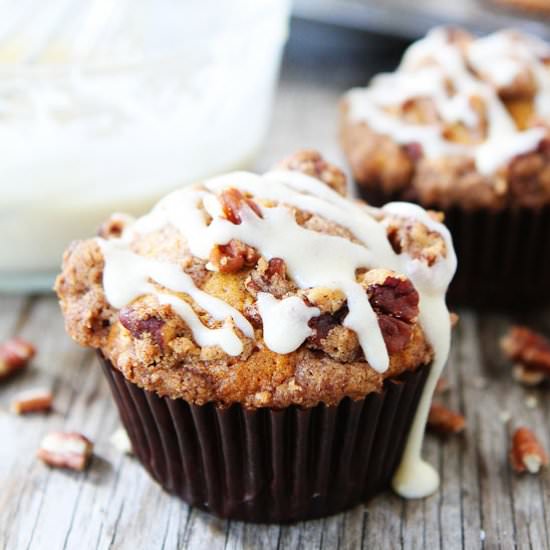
pixel 272 345
pixel 462 126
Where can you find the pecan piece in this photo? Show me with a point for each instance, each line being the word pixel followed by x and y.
pixel 395 302
pixel 338 342
pixel 312 163
pixel 444 420
pixel 269 277
pixel 442 386
pixel 15 355
pixel 29 401
pixel 527 454
pixel 138 325
pixel 526 376
pixel 232 201
pixel 415 238
pixel 233 256
pixel 527 348
pixel 114 226
pixel 69 450
pixel 396 297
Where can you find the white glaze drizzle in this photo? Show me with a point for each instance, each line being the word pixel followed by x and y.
pixel 312 259
pixel 127 276
pixel 285 322
pixel 426 67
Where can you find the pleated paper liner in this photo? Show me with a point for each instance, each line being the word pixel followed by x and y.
pixel 503 256
pixel 268 465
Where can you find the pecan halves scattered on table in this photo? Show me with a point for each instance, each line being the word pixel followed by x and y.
pixel 32 401
pixel 69 450
pixel 527 453
pixel 444 420
pixel 530 353
pixel 15 355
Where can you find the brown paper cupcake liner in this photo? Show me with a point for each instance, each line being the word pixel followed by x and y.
pixel 503 256
pixel 267 465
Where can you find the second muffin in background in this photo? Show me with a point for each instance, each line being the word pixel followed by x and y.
pixel 462 126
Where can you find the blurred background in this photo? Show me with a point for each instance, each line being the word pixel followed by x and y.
pixel 106 105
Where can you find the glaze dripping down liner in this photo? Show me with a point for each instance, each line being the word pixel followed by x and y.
pixel 268 465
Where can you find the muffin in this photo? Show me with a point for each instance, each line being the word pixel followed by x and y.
pixel 272 345
pixel 524 7
pixel 462 126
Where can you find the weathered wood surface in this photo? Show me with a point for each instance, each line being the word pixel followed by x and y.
pixel 115 504
pixel 481 503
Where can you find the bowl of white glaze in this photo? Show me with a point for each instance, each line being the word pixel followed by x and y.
pixel 105 106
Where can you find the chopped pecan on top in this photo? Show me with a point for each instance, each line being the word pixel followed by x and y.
pixel 233 256
pixel 415 239
pixel 269 276
pixel 139 323
pixel 114 226
pixel 329 335
pixel 232 201
pixel 527 454
pixel 395 301
pixel 312 163
pixel 414 150
pixel 394 296
pixel 530 351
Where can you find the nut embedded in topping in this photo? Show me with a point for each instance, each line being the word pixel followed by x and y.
pixel 130 318
pixel 114 226
pixel 312 163
pixel 415 239
pixel 396 333
pixel 395 301
pixel 269 277
pixel 396 297
pixel 232 201
pixel 233 256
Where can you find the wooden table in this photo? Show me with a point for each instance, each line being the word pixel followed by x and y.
pixel 481 502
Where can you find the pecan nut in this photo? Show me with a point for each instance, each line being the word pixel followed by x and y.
pixel 29 401
pixel 527 453
pixel 15 355
pixel 312 163
pixel 232 201
pixel 444 420
pixel 69 450
pixel 138 326
pixel 527 348
pixel 233 256
pixel 269 277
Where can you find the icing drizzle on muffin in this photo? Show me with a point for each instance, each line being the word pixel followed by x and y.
pixel 312 259
pixel 460 77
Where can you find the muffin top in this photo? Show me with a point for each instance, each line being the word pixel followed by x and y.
pixel 462 120
pixel 263 290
